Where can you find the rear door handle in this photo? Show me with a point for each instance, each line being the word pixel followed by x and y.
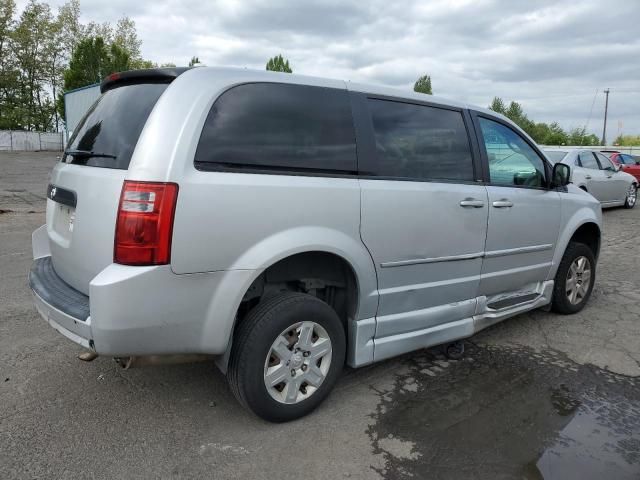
pixel 504 203
pixel 587 177
pixel 472 202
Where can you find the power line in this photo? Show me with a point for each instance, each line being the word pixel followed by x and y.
pixel 595 95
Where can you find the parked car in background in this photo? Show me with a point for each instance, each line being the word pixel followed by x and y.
pixel 594 172
pixel 628 163
pixel 288 225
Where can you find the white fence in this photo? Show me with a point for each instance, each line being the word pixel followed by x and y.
pixel 23 141
pixel 629 150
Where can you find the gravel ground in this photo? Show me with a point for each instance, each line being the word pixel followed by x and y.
pixel 538 396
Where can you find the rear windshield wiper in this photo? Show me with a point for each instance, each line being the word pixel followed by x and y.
pixel 87 154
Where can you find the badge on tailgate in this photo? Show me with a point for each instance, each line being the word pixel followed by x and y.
pixel 62 195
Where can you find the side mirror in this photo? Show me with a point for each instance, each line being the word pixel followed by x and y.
pixel 618 167
pixel 561 175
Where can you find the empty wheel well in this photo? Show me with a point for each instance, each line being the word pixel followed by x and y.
pixel 324 275
pixel 588 234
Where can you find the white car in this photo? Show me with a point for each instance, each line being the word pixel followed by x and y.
pixel 596 174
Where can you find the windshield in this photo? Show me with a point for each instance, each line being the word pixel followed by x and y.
pixel 555 156
pixel 108 133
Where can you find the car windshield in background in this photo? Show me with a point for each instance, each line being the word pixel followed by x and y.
pixel 107 135
pixel 555 156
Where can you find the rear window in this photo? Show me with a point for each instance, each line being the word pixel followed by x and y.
pixel 587 160
pixel 275 126
pixel 107 135
pixel 420 142
pixel 555 156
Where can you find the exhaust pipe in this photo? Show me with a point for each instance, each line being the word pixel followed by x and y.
pixel 149 360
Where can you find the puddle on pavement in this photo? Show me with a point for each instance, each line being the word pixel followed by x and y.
pixel 508 413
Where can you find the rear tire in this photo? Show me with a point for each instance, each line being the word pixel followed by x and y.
pixel 270 345
pixel 632 197
pixel 574 280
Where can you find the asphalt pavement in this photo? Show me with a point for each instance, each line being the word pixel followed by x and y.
pixel 537 396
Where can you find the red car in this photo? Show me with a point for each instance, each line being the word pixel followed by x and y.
pixel 627 162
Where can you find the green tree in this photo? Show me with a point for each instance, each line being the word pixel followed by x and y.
pixel 88 64
pixel 515 113
pixel 540 132
pixel 423 85
pixel 103 30
pixel 578 136
pixel 71 30
pixel 125 36
pixel 556 135
pixel 194 61
pixel 279 64
pixel 497 105
pixel 143 64
pixel 627 140
pixel 8 72
pixel 30 41
pixel 91 62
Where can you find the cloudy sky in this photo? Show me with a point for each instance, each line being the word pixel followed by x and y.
pixel 555 57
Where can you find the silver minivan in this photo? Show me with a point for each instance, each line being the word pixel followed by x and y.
pixel 287 225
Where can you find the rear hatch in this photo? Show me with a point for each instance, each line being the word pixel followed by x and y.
pixel 85 186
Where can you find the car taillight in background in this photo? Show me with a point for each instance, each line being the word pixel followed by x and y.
pixel 144 225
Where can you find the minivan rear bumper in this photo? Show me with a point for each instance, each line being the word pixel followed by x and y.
pixel 64 308
pixel 140 310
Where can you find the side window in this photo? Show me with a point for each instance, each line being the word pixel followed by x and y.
pixel 627 159
pixel 283 126
pixel 511 160
pixel 587 160
pixel 420 142
pixel 605 163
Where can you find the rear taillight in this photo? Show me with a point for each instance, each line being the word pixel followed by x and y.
pixel 145 223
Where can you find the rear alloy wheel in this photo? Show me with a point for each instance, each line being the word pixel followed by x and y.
pixel 286 357
pixel 298 362
pixel 574 280
pixel 632 196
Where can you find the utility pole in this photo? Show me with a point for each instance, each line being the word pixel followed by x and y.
pixel 606 107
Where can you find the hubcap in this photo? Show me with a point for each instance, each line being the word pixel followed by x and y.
pixel 632 195
pixel 578 280
pixel 298 362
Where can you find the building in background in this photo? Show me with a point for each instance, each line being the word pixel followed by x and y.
pixel 76 104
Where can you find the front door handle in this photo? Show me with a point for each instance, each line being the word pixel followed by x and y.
pixel 504 203
pixel 472 202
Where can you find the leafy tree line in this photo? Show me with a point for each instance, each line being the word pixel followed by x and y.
pixel 543 133
pixel 627 140
pixel 43 53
